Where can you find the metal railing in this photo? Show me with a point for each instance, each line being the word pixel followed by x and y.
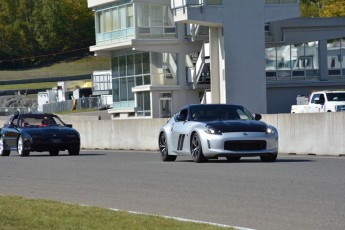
pixel 82 103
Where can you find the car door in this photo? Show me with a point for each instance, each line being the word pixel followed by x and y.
pixel 11 133
pixel 314 106
pixel 178 131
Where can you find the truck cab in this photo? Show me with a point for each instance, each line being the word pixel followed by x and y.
pixel 322 101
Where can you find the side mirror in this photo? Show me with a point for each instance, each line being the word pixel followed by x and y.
pixel 317 100
pixel 69 125
pixel 257 117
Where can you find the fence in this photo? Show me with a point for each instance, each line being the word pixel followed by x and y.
pixel 82 103
pixel 5 111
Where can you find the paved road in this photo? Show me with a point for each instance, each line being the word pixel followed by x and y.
pixel 293 193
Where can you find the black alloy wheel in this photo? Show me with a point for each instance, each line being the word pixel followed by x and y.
pixel 163 149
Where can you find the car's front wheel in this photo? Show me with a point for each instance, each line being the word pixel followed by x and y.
pixel 3 151
pixel 196 149
pixel 163 149
pixel 269 158
pixel 20 148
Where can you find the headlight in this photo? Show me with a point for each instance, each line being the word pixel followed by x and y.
pixel 212 130
pixel 270 130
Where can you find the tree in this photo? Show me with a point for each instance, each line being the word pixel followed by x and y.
pixel 34 28
pixel 322 8
pixel 333 8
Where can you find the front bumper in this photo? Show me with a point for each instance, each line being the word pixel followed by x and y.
pixel 239 144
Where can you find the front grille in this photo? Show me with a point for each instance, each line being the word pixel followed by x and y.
pixel 244 145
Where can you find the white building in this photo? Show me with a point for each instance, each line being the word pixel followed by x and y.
pixel 169 53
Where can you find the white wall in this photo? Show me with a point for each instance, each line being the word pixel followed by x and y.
pixel 300 134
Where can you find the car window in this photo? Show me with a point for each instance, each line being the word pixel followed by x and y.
pixel 34 121
pixel 182 115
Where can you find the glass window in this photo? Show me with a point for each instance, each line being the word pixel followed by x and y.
pixel 143 104
pixel 130 65
pixel 138 64
pixel 115 19
pixel 147 80
pixel 146 63
pixel 123 17
pixel 99 23
pixel 115 67
pixel 168 17
pixel 116 91
pixel 143 15
pixel 139 81
pixel 123 89
pixel 129 16
pixel 122 65
pixel 130 85
pixel 156 15
pixel 107 21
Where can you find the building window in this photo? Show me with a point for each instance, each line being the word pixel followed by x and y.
pixel 336 58
pixel 114 21
pixel 293 62
pixel 155 21
pixel 165 105
pixel 143 104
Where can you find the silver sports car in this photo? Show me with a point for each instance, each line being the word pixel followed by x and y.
pixel 209 131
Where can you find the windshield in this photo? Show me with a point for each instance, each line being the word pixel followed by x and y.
pixel 336 96
pixel 33 121
pixel 219 112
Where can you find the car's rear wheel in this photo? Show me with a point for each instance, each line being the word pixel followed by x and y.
pixel 269 158
pixel 163 149
pixel 53 152
pixel 73 151
pixel 196 149
pixel 20 148
pixel 3 151
pixel 233 158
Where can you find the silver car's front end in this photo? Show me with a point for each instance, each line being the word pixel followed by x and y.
pixel 239 144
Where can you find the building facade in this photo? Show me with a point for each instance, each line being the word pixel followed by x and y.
pixel 169 53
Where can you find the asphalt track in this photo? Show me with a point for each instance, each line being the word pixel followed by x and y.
pixel 295 192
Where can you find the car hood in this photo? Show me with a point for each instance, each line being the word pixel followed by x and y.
pixel 226 126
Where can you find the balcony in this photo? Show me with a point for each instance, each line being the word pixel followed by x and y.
pixel 203 12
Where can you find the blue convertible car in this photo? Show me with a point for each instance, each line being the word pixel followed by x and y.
pixel 27 133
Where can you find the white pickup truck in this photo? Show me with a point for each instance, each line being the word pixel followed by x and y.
pixel 321 101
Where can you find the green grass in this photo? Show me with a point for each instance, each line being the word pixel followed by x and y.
pixel 27 214
pixel 40 85
pixel 61 69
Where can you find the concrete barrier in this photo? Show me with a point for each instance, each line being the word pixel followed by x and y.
pixel 313 133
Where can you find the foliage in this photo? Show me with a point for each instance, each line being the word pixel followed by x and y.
pixel 323 8
pixel 32 31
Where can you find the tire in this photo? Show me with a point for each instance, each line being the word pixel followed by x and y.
pixel 74 151
pixel 233 158
pixel 196 149
pixel 163 149
pixel 269 158
pixel 20 148
pixel 53 152
pixel 3 151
